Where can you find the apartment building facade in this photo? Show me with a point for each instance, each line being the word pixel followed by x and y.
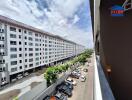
pixel 23 47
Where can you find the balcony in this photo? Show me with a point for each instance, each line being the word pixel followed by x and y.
pixel 102 90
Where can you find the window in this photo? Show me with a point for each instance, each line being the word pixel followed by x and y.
pixel 36 44
pixel 20 67
pixel 25 49
pixel 25 37
pixel 37 58
pixel 30 33
pixel 25 43
pixel 13 29
pixel 36 49
pixel 13 49
pixel 2 53
pixel 1 30
pixel 30 65
pixel 25 66
pixel 20 61
pixel 20 30
pixel 46 49
pixel 25 31
pixel 25 54
pixel 36 35
pixel 30 60
pixel 13 69
pixel 20 55
pixel 1 45
pixel 20 37
pixel 2 38
pixel 25 60
pixel 37 63
pixel 12 35
pixel 36 54
pixel 13 56
pixel 30 54
pixel 20 49
pixel 30 49
pixel 13 42
pixel 30 38
pixel 36 39
pixel 13 62
pixel 20 43
pixel 2 61
pixel 30 44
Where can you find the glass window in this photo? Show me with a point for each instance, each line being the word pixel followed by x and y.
pixel 31 60
pixel 19 36
pixel 13 49
pixel 20 55
pixel 13 29
pixel 20 61
pixel 20 30
pixel 13 56
pixel 12 35
pixel 20 67
pixel 30 49
pixel 13 62
pixel 25 66
pixel 13 42
pixel 13 69
pixel 30 65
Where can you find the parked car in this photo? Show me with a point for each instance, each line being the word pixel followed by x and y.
pixel 26 74
pixel 71 81
pixel 68 84
pixel 61 96
pixel 19 76
pixel 13 80
pixel 83 78
pixel 74 75
pixel 65 89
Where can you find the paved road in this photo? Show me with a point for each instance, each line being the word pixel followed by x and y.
pixel 84 90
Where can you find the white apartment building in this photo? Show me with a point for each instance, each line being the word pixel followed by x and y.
pixel 23 47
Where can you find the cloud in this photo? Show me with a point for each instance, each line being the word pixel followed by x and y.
pixel 76 19
pixel 56 16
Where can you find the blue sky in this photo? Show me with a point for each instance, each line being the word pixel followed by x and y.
pixel 67 18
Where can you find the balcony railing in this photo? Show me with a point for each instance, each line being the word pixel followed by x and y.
pixel 102 90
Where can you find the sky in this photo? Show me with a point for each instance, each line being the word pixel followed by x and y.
pixel 67 18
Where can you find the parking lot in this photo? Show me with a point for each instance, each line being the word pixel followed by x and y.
pixel 82 83
pixel 84 90
pixel 80 91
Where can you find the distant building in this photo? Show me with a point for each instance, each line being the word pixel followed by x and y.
pixel 23 48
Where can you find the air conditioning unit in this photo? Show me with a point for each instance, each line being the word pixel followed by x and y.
pixel 1 30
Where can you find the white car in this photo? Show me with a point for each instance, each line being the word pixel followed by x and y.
pixel 26 74
pixel 83 78
pixel 19 76
pixel 13 80
pixel 70 80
